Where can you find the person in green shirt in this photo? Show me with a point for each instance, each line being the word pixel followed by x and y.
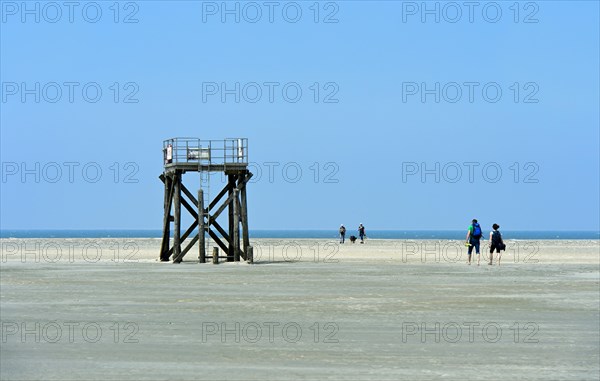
pixel 473 236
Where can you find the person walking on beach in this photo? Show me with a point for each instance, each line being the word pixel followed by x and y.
pixel 361 233
pixel 496 243
pixel 473 236
pixel 342 233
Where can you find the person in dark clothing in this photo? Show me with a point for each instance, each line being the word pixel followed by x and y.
pixel 361 233
pixel 473 236
pixel 342 233
pixel 496 243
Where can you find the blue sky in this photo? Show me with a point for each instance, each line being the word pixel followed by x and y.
pixel 369 129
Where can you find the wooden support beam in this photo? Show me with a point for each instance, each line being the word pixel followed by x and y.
pixel 185 251
pixel 215 255
pixel 201 233
pixel 177 215
pixel 231 202
pixel 189 195
pixel 189 208
pixel 221 231
pixel 250 254
pixel 166 217
pixel 221 208
pixel 168 200
pixel 218 241
pixel 186 234
pixel 244 215
pixel 236 226
pixel 216 200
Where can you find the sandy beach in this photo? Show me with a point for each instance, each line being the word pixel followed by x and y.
pixel 88 309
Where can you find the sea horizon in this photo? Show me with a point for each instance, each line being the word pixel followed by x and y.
pixel 300 233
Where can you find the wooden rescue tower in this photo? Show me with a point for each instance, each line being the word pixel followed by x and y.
pixel 205 157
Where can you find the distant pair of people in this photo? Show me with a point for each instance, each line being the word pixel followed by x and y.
pixel 474 234
pixel 361 234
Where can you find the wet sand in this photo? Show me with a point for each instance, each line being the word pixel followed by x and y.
pixel 307 309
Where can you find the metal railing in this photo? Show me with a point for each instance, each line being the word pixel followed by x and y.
pixel 205 152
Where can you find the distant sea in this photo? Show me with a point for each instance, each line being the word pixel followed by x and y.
pixel 382 234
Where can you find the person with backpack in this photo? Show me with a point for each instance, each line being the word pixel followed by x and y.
pixel 496 243
pixel 473 236
pixel 342 233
